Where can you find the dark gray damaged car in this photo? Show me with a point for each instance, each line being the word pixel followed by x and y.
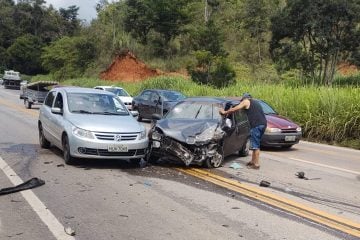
pixel 195 133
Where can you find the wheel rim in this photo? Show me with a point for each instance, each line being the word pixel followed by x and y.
pixel 216 160
pixel 41 136
pixel 247 146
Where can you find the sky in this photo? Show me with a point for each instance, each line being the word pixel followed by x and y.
pixel 86 7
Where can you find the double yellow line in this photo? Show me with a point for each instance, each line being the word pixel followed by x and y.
pixel 329 220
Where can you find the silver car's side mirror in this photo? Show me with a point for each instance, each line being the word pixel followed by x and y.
pixel 56 110
pixel 134 113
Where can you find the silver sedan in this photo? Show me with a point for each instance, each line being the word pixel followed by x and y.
pixel 89 123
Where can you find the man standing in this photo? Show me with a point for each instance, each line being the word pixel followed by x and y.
pixel 257 121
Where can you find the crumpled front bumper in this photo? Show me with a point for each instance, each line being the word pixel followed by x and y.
pixel 174 150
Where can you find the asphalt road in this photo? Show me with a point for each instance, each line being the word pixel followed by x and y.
pixel 117 200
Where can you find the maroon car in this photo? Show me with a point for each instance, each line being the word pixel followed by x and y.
pixel 280 131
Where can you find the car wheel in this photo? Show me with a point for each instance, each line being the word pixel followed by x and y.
pixel 216 160
pixel 44 143
pixel 27 104
pixel 139 118
pixel 66 151
pixel 246 149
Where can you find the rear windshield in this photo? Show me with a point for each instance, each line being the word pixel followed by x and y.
pixel 171 96
pixel 118 92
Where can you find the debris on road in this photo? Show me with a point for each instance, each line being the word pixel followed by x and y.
pixel 147 183
pixel 235 166
pixel 69 231
pixel 48 162
pixel 32 183
pixel 61 165
pixel 301 175
pixel 264 183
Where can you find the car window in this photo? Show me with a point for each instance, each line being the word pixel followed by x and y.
pixel 266 108
pixel 59 101
pixel 195 110
pixel 172 96
pixel 154 97
pixel 118 91
pixel 50 99
pixel 145 95
pixel 94 103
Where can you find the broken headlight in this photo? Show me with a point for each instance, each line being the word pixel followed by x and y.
pixel 208 134
pixel 190 140
pixel 156 135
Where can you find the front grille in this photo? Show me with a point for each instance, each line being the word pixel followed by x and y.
pixel 117 136
pixel 105 152
pixel 289 130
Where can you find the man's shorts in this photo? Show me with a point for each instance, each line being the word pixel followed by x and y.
pixel 255 136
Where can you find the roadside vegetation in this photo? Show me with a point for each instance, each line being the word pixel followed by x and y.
pixel 287 52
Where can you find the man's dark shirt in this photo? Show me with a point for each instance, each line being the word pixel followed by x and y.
pixel 255 114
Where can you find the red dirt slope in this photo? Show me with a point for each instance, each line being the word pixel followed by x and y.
pixel 126 67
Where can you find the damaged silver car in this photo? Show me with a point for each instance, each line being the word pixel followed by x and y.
pixel 195 133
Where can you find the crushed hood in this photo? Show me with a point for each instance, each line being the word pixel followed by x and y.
pixel 181 129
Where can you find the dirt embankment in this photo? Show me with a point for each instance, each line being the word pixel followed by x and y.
pixel 126 67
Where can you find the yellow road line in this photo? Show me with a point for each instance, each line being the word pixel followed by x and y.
pixel 16 107
pixel 293 207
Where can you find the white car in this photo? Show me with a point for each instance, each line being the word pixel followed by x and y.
pixel 120 92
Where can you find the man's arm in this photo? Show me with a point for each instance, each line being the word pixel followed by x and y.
pixel 242 105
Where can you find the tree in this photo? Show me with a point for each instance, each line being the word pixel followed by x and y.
pixel 24 54
pixel 315 35
pixel 164 17
pixel 68 57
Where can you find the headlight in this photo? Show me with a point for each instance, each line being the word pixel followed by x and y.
pixel 142 134
pixel 298 129
pixel 207 134
pixel 82 133
pixel 272 130
pixel 156 135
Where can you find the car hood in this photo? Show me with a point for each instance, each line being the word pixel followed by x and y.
pixel 105 123
pixel 126 99
pixel 277 121
pixel 181 129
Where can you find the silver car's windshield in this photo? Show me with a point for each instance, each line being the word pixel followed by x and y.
pixel 195 110
pixel 95 103
pixel 171 96
pixel 118 92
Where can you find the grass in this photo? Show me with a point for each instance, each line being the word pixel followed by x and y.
pixel 326 114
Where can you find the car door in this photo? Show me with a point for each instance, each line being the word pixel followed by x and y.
pixel 230 145
pixel 143 102
pixel 155 104
pixel 58 119
pixel 46 117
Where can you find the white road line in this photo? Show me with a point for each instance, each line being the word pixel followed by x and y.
pixel 56 228
pixel 324 165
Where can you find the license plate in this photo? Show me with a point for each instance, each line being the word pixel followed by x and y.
pixel 117 148
pixel 290 138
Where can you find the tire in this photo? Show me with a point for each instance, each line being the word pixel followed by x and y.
pixel 27 104
pixel 216 160
pixel 246 149
pixel 44 143
pixel 66 151
pixel 139 118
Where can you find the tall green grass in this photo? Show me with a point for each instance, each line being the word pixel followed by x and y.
pixel 330 114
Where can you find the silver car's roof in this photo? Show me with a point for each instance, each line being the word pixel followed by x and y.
pixel 83 90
